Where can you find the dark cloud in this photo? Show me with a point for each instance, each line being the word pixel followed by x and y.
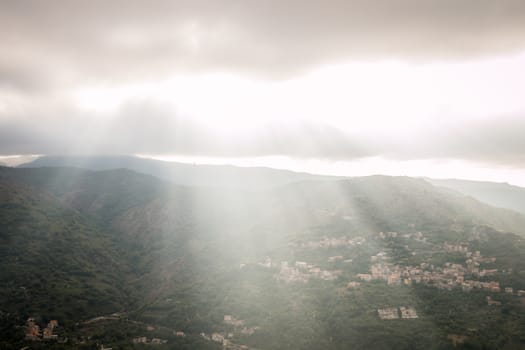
pixel 127 40
pixel 14 77
pixel 47 48
pixel 147 127
pixel 152 128
pixel 497 141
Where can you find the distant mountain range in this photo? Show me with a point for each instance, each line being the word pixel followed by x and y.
pixel 183 173
pixel 500 195
pixel 496 194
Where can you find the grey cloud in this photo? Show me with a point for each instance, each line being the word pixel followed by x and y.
pixel 150 127
pixel 57 44
pixel 311 140
pixel 499 140
pixel 19 78
pixel 118 39
pixel 496 141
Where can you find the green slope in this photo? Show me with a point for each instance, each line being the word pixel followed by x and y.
pixel 56 264
pixel 170 257
pixel 183 173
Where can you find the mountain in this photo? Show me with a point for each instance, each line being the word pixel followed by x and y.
pixel 55 262
pixel 500 195
pixel 402 201
pixel 182 173
pixel 264 268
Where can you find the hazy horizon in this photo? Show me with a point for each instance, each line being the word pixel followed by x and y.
pixel 277 163
pixel 419 88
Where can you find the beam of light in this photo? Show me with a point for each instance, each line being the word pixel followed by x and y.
pixel 381 97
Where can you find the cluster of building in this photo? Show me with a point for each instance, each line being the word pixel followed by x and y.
pixel 303 272
pixel 330 242
pixel 338 258
pixel 33 330
pixel 353 285
pixel 407 312
pixel 492 302
pixel 232 321
pixel 473 262
pixel 418 236
pixel 152 341
pixel 220 338
pixel 392 313
pixel 449 276
pixel 491 286
pixel 225 340
pixel 455 248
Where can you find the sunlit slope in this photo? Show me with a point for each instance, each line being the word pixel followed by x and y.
pixel 182 173
pixel 399 203
pixel 495 194
pixel 144 208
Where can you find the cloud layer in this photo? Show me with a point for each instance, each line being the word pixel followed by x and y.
pixel 51 49
pixel 143 127
pixel 59 41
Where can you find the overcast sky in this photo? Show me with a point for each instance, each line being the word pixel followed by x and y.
pixel 415 87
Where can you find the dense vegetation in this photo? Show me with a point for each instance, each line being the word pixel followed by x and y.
pixel 78 244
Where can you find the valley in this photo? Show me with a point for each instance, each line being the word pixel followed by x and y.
pixel 124 260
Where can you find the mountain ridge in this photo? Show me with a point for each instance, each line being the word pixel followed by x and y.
pixel 495 194
pixel 498 194
pixel 182 173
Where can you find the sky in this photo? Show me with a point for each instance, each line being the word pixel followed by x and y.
pixel 399 87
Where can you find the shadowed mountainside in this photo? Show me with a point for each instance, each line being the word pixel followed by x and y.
pixel 182 173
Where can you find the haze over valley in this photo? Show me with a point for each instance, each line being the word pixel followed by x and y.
pixel 262 174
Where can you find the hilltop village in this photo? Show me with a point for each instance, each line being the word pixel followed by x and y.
pixel 467 276
pixel 450 275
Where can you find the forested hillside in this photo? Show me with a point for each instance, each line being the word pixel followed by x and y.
pixel 120 259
